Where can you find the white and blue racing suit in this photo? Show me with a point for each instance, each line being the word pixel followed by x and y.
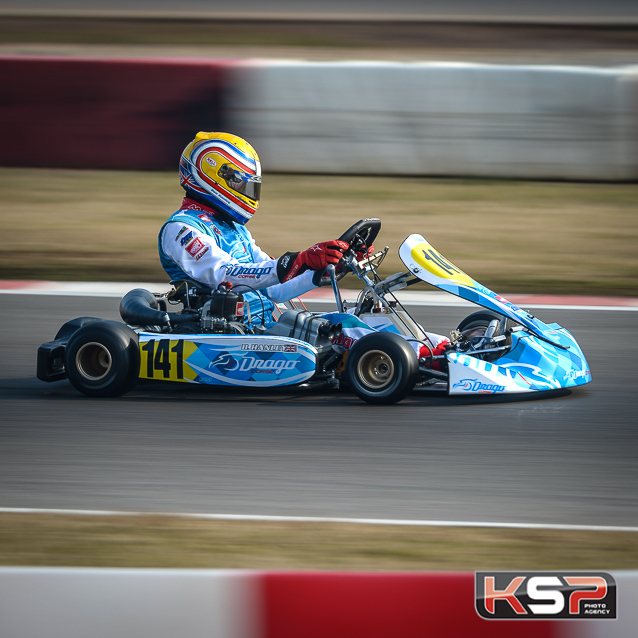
pixel 196 243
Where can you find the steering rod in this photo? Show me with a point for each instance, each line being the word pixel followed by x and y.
pixel 333 280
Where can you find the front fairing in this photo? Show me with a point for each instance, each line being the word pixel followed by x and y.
pixel 542 356
pixel 531 364
pixel 430 266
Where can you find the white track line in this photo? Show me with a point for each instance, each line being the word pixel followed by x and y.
pixel 410 298
pixel 322 519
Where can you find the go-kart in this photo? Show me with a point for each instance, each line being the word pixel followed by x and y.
pixel 209 339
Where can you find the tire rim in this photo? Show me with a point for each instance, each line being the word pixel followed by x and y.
pixel 93 361
pixel 375 369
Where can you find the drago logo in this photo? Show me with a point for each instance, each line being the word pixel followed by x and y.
pixel 475 385
pixel 245 272
pixel 226 364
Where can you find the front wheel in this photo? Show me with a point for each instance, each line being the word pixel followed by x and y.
pixel 475 326
pixel 102 359
pixel 382 368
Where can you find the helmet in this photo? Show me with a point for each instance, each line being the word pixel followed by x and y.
pixel 223 171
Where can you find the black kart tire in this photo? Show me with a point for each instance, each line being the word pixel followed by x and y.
pixel 102 359
pixel 477 323
pixel 382 368
pixel 67 330
pixel 477 319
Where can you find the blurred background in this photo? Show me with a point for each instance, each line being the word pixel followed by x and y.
pixel 527 112
pixel 505 132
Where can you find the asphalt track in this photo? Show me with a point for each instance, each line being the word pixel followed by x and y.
pixel 564 459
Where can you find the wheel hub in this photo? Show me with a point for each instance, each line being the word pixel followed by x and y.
pixel 375 369
pixel 93 361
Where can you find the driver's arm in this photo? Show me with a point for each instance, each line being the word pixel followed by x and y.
pixel 199 256
pixel 291 289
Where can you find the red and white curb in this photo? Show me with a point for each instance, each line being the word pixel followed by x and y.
pixel 320 295
pixel 157 603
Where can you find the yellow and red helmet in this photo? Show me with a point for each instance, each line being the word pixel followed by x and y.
pixel 223 171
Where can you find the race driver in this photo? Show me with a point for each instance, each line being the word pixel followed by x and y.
pixel 207 239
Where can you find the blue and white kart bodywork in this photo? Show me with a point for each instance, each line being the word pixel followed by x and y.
pixel 227 360
pixel 370 346
pixel 541 356
pixel 530 365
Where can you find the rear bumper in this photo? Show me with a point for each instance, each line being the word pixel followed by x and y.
pixel 50 363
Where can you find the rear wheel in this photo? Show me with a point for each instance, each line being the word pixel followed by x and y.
pixel 65 332
pixel 102 359
pixel 382 368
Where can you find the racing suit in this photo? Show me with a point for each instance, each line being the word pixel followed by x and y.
pixel 196 243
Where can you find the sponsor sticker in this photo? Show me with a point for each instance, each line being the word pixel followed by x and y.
pixel 227 364
pixel 195 246
pixel 503 300
pixel 344 341
pixel 255 364
pixel 545 595
pixel 204 218
pixel 186 238
pixel 577 374
pixel 269 347
pixel 243 272
pixel 476 385
pixel 199 255
pixel 181 232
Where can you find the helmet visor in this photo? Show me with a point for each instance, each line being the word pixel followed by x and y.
pixel 243 183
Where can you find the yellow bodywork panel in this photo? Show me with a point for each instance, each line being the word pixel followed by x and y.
pixel 433 261
pixel 165 360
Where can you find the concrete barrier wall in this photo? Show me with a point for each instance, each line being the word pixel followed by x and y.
pixel 161 603
pixel 440 119
pixel 127 603
pixel 444 119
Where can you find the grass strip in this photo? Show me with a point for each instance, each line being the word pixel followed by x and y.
pixel 169 541
pixel 347 34
pixel 512 236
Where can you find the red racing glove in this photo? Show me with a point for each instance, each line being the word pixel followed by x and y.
pixel 316 257
pixel 364 254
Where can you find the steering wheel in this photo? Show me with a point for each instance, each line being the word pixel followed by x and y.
pixel 360 236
